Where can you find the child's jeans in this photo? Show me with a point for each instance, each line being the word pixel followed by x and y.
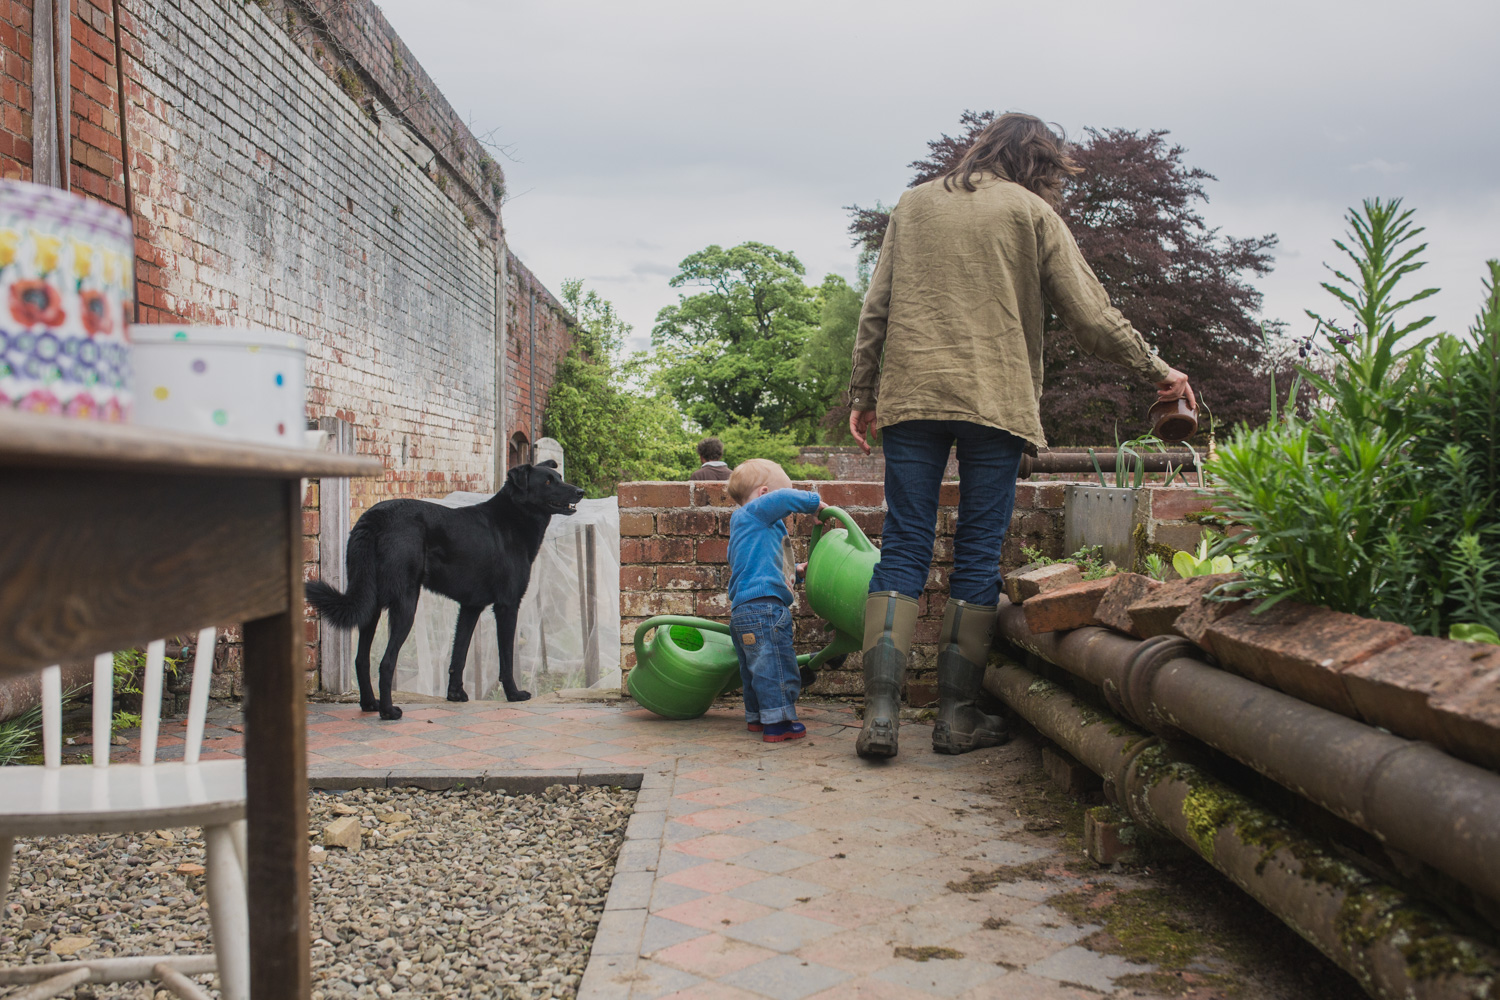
pixel 762 632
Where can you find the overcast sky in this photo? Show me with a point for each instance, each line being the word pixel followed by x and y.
pixel 640 132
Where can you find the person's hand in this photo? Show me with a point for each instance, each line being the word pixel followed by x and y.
pixel 860 422
pixel 821 508
pixel 801 570
pixel 1175 387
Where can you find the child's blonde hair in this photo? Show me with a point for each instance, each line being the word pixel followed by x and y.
pixel 749 476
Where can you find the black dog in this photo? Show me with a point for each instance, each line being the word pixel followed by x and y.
pixel 478 556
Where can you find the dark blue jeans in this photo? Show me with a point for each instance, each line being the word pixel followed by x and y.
pixel 916 454
pixel 762 633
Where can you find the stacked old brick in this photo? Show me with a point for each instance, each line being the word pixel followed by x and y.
pixel 1439 691
pixel 674 545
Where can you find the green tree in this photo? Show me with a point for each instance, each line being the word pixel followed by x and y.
pixel 732 351
pixel 613 424
pixel 828 356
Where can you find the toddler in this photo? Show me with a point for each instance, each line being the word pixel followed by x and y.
pixel 761 575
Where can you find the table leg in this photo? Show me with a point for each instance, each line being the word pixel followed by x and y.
pixel 276 786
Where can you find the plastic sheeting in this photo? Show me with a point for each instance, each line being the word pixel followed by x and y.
pixel 568 629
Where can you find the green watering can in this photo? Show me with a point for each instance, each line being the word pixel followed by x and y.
pixel 689 662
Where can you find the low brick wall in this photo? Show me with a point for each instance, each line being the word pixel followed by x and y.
pixel 674 541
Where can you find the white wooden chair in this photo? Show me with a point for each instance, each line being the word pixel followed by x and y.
pixel 131 798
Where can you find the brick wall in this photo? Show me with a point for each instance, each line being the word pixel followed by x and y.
pixel 538 325
pixel 674 548
pixel 291 165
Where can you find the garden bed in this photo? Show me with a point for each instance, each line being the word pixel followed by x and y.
pixel 456 894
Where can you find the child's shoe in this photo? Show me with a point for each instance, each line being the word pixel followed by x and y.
pixel 754 727
pixel 776 732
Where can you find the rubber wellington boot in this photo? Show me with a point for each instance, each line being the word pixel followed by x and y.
pixel 963 647
pixel 890 618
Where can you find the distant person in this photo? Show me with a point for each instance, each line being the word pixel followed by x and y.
pixel 713 469
pixel 761 577
pixel 950 342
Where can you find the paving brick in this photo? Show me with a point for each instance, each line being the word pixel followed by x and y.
pixel 1468 721
pixel 1067 775
pixel 1397 689
pixel 1159 609
pixel 1124 590
pixel 1302 650
pixel 1065 608
pixel 1029 584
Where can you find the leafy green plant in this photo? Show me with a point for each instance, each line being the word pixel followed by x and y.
pixel 1381 501
pixel 1469 632
pixel 130 666
pixel 747 438
pixel 1089 560
pixel 1188 564
pixel 20 736
pixel 1156 566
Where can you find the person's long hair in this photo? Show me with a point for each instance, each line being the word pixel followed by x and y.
pixel 1019 148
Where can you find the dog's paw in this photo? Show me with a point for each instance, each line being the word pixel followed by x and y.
pixel 457 694
pixel 369 706
pixel 391 714
pixel 518 696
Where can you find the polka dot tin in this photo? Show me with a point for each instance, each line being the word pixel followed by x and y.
pixel 67 267
pixel 230 382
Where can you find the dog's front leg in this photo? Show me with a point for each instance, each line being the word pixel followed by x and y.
pixel 468 617
pixel 505 634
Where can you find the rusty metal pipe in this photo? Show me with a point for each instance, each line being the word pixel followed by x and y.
pixel 1079 462
pixel 20 692
pixel 1387 940
pixel 1409 795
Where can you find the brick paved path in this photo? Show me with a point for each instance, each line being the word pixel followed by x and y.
pixel 756 870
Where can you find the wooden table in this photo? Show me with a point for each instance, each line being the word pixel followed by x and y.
pixel 113 536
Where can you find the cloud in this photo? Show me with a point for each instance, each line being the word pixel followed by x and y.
pixel 1380 166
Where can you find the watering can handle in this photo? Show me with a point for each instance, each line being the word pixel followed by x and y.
pixel 856 536
pixel 643 648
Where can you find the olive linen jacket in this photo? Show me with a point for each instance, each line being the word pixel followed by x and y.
pixel 953 322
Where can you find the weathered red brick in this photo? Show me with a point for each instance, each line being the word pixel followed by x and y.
pixel 688 577
pixel 692 521
pixel 1302 650
pixel 1124 590
pixel 655 603
pixel 637 523
pixel 1067 607
pixel 1158 610
pixel 713 550
pixel 1195 623
pixel 1029 584
pixel 711 494
pixel 668 550
pixel 852 494
pixel 1468 720
pixel 1394 687
pixel 637 578
pixel 654 494
pixel 1173 503
pixel 711 604
pixel 948 495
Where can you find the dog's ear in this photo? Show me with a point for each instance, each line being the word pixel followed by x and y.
pixel 548 464
pixel 518 476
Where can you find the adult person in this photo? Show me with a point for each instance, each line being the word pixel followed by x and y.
pixel 713 469
pixel 950 348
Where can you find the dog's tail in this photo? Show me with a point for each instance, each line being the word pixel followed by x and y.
pixel 357 605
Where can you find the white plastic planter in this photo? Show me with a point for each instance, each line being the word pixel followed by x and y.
pixel 230 382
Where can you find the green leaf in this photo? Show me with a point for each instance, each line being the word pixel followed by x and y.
pixel 1470 632
pixel 1185 565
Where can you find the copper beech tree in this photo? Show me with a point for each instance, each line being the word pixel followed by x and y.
pixel 1182 284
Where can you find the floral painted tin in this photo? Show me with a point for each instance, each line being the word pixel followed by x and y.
pixel 248 384
pixel 67 280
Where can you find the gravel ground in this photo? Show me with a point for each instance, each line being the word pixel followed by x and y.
pixel 452 894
